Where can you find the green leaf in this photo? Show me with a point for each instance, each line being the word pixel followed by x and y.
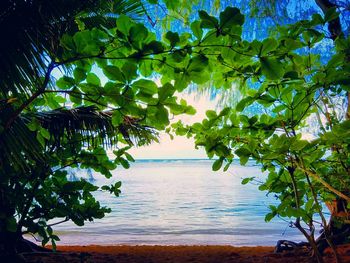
pixel 67 42
pixel 227 166
pixel 129 71
pixel 224 111
pixel 145 86
pixel 124 163
pixel 331 14
pixel 271 68
pixel 211 114
pixel 242 152
pixel 269 216
pixel 129 157
pixel 118 184
pixel 65 82
pixel 266 100
pixel 230 17
pixel 268 45
pixel 162 115
pixel 207 21
pixel 244 103
pixel 117 118
pixel 256 47
pixel 75 96
pixel 154 47
pixel 113 73
pixel 79 74
pixel 93 79
pixel 190 110
pixel 197 64
pixel 105 188
pixel 116 188
pixel 173 38
pixel 217 164
pixel 247 180
pixel 166 91
pixel 291 75
pixel 138 33
pixel 146 68
pixel 317 19
pixel 34 125
pixel 181 82
pixel 197 30
pixel 298 145
pixel 124 24
pixel 45 133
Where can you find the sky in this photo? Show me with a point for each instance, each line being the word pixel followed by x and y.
pixel 180 147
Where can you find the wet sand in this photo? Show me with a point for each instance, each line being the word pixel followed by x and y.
pixel 180 254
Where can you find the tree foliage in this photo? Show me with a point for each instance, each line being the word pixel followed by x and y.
pixel 117 87
pixel 102 99
pixel 293 84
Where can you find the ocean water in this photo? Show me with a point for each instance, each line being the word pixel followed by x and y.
pixel 173 202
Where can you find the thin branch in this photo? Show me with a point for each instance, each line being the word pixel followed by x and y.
pixel 59 222
pixel 323 182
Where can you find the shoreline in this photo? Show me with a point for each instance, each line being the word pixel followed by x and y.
pixel 179 253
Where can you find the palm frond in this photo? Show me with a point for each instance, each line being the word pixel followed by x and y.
pixel 31 31
pixel 92 126
pixel 21 148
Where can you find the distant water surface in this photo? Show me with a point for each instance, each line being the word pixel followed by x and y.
pixel 173 202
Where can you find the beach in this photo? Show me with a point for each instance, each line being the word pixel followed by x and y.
pixel 187 213
pixel 180 254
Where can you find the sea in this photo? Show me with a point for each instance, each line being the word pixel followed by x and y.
pixel 182 202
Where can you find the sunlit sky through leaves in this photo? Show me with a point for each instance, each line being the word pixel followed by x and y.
pixel 180 147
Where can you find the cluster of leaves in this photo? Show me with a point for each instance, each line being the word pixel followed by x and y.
pixel 107 96
pixel 119 86
pixel 289 80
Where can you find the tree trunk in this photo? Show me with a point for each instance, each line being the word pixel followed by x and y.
pixel 8 247
pixel 338 226
pixel 12 244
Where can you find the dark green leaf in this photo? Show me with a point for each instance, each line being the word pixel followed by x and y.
pixel 230 17
pixel 79 74
pixel 197 30
pixel 217 164
pixel 75 96
pixel 207 21
pixel 173 38
pixel 129 70
pixel 117 118
pixel 113 73
pixel 145 86
pixel 271 68
pixel 268 45
pixel 123 24
pixel 331 14
pixel 65 82
pixel 247 180
pixel 93 79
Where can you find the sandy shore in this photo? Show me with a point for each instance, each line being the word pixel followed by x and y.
pixel 180 254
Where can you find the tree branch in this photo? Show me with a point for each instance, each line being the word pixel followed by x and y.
pixel 323 182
